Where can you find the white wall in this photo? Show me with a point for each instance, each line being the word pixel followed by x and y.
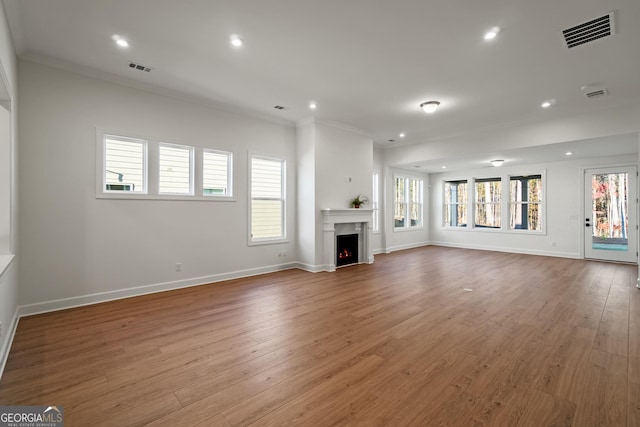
pixel 77 247
pixel 9 278
pixel 306 184
pixel 563 207
pixel 378 241
pixel 344 160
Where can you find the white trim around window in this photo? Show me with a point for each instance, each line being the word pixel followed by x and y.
pixel 267 200
pixel 408 203
pixel 137 174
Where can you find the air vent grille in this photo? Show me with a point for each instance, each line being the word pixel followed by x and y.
pixel 589 31
pixel 139 67
pixel 596 93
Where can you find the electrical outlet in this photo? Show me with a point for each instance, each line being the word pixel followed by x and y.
pixel 178 266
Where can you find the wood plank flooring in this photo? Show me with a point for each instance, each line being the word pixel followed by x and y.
pixel 537 342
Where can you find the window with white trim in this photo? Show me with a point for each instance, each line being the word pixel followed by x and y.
pixel 216 173
pixel 525 207
pixel 455 203
pixel 138 168
pixel 267 199
pixel 125 164
pixel 408 206
pixel 375 202
pixel 488 205
pixel 175 171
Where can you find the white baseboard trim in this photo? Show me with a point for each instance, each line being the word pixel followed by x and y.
pixel 310 268
pixel 5 346
pixel 510 250
pixel 65 303
pixel 390 249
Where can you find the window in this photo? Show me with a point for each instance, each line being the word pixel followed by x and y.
pixel 525 208
pixel 267 199
pixel 124 164
pixel 139 168
pixel 375 202
pixel 407 201
pixel 176 175
pixel 488 205
pixel 455 203
pixel 216 173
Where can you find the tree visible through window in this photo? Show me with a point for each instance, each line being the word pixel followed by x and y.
pixel 407 201
pixel 455 203
pixel 488 203
pixel 525 194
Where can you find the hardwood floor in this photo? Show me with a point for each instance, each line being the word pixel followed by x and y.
pixel 429 336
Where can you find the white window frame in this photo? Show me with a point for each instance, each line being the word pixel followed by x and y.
pixel 407 202
pixel 191 150
pixel 271 240
pixel 103 165
pixel 229 156
pixel 500 203
pixel 151 170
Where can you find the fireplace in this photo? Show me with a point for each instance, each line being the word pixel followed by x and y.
pixel 346 249
pixel 341 222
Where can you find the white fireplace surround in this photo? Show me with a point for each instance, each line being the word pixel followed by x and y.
pixel 336 222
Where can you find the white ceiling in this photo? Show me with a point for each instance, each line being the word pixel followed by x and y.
pixel 367 63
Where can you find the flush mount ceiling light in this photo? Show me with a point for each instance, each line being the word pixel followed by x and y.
pixel 496 163
pixel 492 33
pixel 236 41
pixel 430 107
pixel 120 41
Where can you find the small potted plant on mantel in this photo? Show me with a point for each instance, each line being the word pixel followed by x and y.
pixel 358 201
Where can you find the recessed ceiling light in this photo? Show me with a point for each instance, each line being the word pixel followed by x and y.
pixel 313 105
pixel 236 41
pixel 402 135
pixel 492 33
pixel 568 153
pixel 548 103
pixel 120 41
pixel 497 163
pixel 430 107
pixel 444 167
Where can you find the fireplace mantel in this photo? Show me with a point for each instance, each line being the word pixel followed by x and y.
pixel 361 220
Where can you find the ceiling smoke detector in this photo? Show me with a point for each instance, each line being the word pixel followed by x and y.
pixel 589 31
pixel 139 67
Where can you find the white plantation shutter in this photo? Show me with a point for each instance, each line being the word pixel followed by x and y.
pixel 175 169
pixel 267 198
pixel 216 173
pixel 124 164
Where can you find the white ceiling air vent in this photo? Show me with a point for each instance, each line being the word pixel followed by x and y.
pixel 593 90
pixel 139 67
pixel 589 31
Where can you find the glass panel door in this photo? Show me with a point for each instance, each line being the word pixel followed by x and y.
pixel 610 214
